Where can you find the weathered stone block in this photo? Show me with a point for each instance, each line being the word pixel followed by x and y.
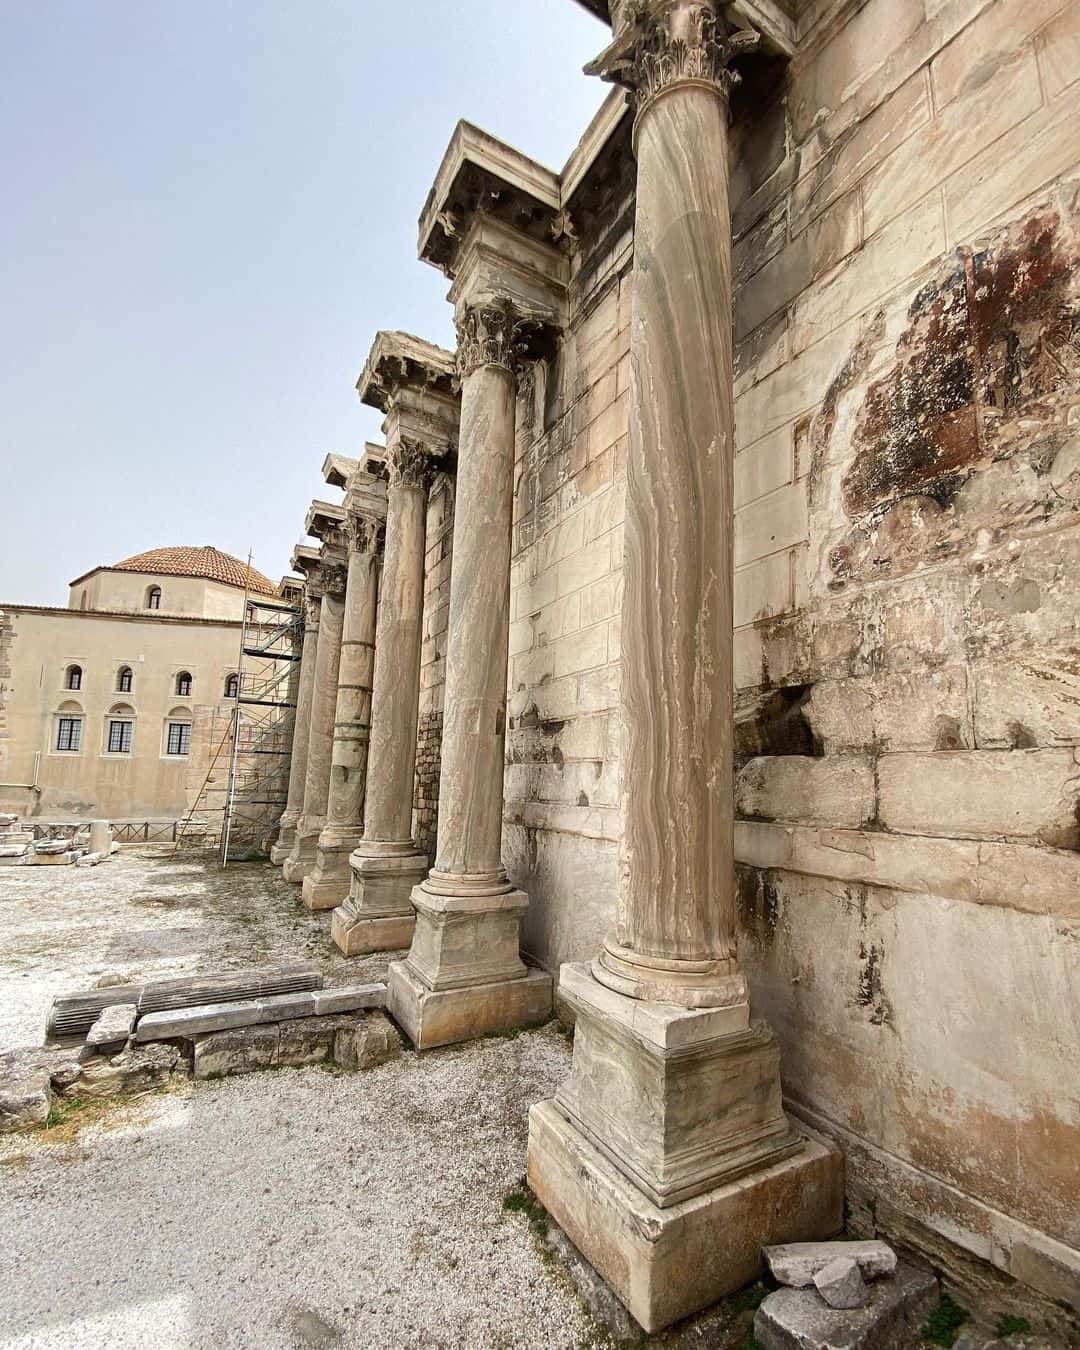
pixel 668 1263
pixel 135 1070
pixel 433 1017
pixel 113 1025
pixel 796 1263
pixel 25 1099
pixel 373 1040
pixel 241 1050
pixel 838 790
pixel 841 1285
pixel 797 1319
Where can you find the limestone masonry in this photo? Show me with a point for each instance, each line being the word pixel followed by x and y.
pixel 699 656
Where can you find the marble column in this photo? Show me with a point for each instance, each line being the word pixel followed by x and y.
pixel 464 976
pixel 387 862
pixel 328 883
pixel 294 802
pixel 672 1119
pixel 301 859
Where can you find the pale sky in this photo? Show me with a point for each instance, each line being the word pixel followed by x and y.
pixel 208 209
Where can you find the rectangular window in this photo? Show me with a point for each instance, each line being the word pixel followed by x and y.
pixel 179 739
pixel 69 733
pixel 120 738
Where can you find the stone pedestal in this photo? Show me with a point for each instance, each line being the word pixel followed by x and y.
pixel 328 882
pixel 411 380
pixel 667 1156
pixel 301 857
pixel 294 803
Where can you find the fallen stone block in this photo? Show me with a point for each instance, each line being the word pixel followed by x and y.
pixel 74 1014
pixel 15 855
pixel 25 1100
pixel 90 859
pixel 113 1026
pixel 892 1319
pixel 796 1263
pixel 189 1022
pixel 373 1040
pixel 8 818
pixel 841 1285
pixel 135 1070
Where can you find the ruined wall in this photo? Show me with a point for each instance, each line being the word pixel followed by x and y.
pixel 908 655
pixel 438 550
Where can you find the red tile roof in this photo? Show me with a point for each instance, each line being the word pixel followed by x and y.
pixel 187 561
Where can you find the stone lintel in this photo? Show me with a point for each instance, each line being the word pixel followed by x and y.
pixel 398 362
pixel 324 520
pixel 499 261
pixel 337 469
pixel 427 417
pixel 665 1028
pixel 366 496
pixel 305 560
pixel 480 173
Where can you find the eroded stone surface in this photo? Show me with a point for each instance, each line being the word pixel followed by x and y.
pixel 796 1263
pixel 797 1319
pixel 841 1284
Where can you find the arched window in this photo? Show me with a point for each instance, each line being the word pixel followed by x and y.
pixel 120 730
pixel 73 678
pixel 69 728
pixel 183 684
pixel 178 732
pixel 232 686
pixel 124 680
pixel 82 601
pixel 153 598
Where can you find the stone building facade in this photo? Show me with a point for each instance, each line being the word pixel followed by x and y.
pixel 888 225
pixel 107 707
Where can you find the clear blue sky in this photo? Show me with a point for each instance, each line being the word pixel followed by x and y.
pixel 208 210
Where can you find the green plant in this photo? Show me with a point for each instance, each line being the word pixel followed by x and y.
pixel 521 1200
pixel 944 1323
pixel 1008 1325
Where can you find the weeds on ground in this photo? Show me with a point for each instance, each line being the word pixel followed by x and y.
pixel 944 1323
pixel 1008 1325
pixel 521 1200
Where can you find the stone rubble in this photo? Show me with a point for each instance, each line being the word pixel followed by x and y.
pixel 796 1263
pixel 113 1026
pixel 892 1318
pixel 841 1285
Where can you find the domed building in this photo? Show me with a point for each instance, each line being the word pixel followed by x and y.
pixel 113 706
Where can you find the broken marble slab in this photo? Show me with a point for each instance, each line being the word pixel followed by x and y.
pixel 352 1042
pixel 841 1284
pixel 892 1319
pixel 134 1070
pixel 187 1022
pixel 113 1026
pixel 796 1263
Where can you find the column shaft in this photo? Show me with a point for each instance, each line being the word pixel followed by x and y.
pixel 328 884
pixel 387 863
pixel 294 803
pixel 320 740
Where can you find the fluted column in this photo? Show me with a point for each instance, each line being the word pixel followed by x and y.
pixel 464 975
pixel 328 883
pixel 294 802
pixel 301 859
pixel 387 863
pixel 674 1092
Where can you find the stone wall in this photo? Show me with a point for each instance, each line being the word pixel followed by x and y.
pixel 907 217
pixel 438 551
pixel 908 649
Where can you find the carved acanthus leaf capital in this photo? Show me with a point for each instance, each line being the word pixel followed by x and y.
pixel 408 464
pixel 333 577
pixel 491 335
pixel 365 532
pixel 312 604
pixel 687 44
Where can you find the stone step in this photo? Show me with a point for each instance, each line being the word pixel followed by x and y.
pixel 72 1015
pixel 188 1022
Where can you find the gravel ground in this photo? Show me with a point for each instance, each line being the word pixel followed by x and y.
pixel 294 1208
pixel 148 914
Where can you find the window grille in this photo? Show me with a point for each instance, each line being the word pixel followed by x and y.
pixel 183 684
pixel 68 733
pixel 74 677
pixel 120 737
pixel 153 598
pixel 179 738
pixel 123 683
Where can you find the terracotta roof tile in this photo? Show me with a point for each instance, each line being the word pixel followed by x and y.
pixel 187 561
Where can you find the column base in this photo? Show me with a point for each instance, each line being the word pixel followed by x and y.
pixel 432 1017
pixel 301 859
pixel 327 884
pixel 383 876
pixel 668 1263
pixel 357 934
pixel 284 843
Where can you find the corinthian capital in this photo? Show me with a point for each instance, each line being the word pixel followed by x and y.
pixel 686 44
pixel 365 532
pixel 408 464
pixel 491 335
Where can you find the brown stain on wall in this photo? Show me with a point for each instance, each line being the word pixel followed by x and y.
pixel 986 371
